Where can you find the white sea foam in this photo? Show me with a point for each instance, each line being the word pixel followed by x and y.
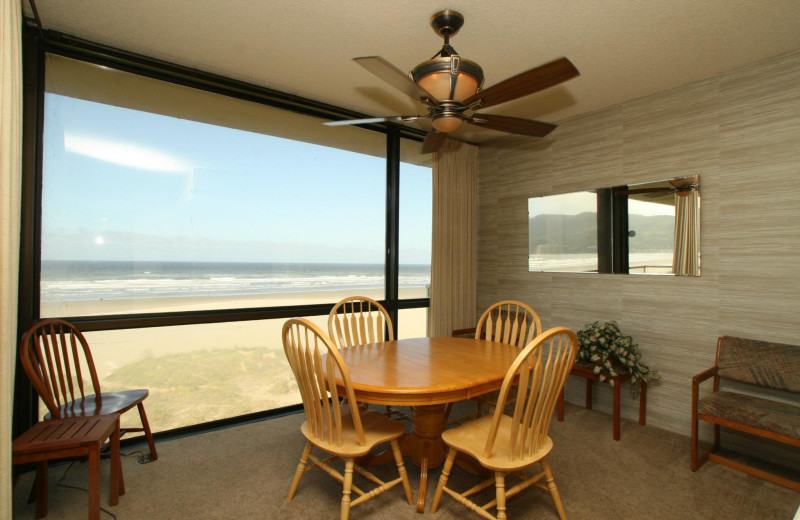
pixel 97 282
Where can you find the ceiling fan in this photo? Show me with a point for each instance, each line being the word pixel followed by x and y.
pixel 449 86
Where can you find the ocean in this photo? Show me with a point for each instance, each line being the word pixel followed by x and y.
pixel 67 280
pixel 652 262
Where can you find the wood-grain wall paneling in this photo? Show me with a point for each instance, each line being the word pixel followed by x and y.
pixel 740 131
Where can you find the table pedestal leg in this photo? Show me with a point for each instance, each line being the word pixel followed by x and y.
pixel 428 425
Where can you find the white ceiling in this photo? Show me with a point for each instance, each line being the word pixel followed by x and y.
pixel 625 49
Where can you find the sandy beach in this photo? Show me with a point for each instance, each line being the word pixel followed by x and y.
pixel 198 373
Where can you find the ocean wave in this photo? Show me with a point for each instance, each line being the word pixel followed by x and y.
pixel 79 284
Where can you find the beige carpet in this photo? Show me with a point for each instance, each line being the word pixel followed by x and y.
pixel 245 472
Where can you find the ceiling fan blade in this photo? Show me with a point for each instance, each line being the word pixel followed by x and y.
pixel 433 141
pixel 514 125
pixel 396 78
pixel 367 120
pixel 359 121
pixel 534 80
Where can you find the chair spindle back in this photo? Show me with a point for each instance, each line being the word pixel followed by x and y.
pixel 56 357
pixel 316 364
pixel 358 320
pixel 541 370
pixel 511 322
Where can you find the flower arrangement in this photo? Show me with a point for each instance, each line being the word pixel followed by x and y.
pixel 608 349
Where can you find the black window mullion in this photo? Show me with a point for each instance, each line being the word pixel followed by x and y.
pixel 604 231
pixel 392 222
pixel 620 229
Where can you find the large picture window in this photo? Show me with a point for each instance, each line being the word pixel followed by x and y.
pixel 158 199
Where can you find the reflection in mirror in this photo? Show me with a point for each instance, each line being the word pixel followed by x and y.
pixel 563 232
pixel 649 228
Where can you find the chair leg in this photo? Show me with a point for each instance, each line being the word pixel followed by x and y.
pixel 94 483
pixel 115 486
pixel 551 486
pixel 447 410
pixel 348 485
pixel 40 489
pixel 298 474
pixel 500 491
pixel 448 465
pixel 147 434
pixel 401 469
pixel 696 462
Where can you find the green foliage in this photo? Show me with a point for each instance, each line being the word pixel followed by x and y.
pixel 608 349
pixel 206 385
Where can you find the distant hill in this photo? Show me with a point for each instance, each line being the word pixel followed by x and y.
pixel 655 233
pixel 576 234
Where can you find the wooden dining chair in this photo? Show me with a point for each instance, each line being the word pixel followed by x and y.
pixel 507 444
pixel 334 426
pixel 359 320
pixel 508 321
pixel 56 358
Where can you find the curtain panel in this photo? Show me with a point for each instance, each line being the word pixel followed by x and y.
pixel 454 248
pixel 10 181
pixel 686 256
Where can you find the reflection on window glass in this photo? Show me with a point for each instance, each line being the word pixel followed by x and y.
pixel 651 230
pixel 143 212
pixel 563 232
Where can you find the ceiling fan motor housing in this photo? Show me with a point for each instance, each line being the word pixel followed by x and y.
pixel 446 23
pixel 447 76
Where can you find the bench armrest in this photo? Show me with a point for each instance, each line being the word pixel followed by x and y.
pixel 702 376
pixel 696 380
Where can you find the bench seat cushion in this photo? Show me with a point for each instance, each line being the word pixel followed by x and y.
pixel 766 414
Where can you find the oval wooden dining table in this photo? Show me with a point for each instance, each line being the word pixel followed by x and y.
pixel 426 374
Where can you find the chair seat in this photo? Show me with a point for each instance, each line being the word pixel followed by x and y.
pixel 110 402
pixel 377 429
pixel 470 438
pixel 765 414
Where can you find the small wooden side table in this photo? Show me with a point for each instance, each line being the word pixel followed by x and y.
pixel 72 437
pixel 586 371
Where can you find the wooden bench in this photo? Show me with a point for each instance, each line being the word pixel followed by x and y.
pixel 763 365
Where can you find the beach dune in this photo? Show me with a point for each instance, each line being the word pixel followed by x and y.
pixel 199 373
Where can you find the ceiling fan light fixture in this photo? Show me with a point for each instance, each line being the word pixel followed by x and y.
pixel 449 78
pixel 450 88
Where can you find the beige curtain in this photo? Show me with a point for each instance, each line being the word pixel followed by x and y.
pixel 686 255
pixel 10 171
pixel 453 266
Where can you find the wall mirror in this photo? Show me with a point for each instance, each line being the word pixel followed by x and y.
pixel 650 228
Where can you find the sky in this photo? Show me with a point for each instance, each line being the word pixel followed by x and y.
pixel 121 184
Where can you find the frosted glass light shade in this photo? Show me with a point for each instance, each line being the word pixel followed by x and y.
pixel 439 85
pixel 449 78
pixel 446 124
